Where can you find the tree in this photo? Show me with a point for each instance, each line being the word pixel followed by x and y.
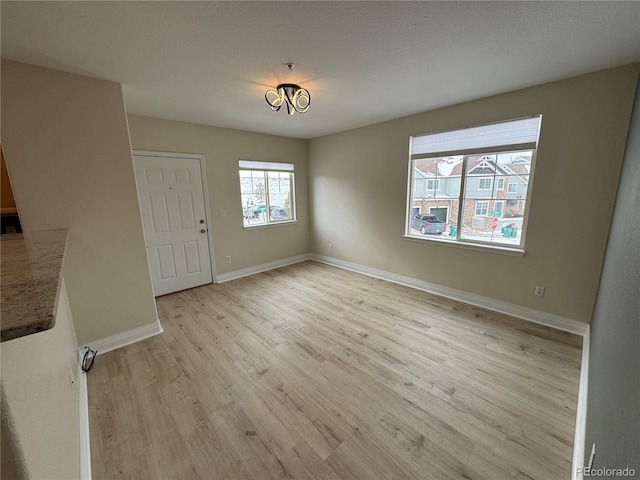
pixel 259 193
pixel 287 204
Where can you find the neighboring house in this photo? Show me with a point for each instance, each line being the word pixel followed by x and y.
pixel 494 188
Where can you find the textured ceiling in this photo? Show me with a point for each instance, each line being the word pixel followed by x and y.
pixel 363 62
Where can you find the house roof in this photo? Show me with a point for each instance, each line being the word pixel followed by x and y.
pixel 519 168
pixel 477 164
pixel 441 166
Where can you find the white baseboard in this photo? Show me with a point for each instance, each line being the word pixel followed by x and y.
pixel 84 437
pixel 245 272
pixel 123 339
pixel 102 346
pixel 581 412
pixel 525 313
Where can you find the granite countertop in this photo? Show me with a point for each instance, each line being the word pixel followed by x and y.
pixel 31 278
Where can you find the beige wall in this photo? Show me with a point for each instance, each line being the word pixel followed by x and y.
pixel 39 404
pixel 67 148
pixel 358 185
pixel 222 148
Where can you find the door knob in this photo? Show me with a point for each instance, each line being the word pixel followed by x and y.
pixel 201 221
pixel 203 231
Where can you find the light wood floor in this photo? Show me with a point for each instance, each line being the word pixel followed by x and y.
pixel 313 372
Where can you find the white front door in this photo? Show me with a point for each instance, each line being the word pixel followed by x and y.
pixel 172 203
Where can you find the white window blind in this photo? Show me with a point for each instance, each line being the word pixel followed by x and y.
pixel 254 165
pixel 521 134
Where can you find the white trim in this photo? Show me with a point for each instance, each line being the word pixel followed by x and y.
pixel 581 411
pixel 149 153
pixel 525 313
pixel 469 245
pixel 205 190
pixel 207 212
pixel 478 202
pixel 267 199
pixel 123 339
pixel 480 179
pixel 275 223
pixel 271 166
pixel 84 437
pixel 102 346
pixel 245 272
pixel 436 183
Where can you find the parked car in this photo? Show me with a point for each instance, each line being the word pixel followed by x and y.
pixel 254 211
pixel 277 213
pixel 428 224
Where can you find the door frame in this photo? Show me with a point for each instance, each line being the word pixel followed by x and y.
pixel 205 191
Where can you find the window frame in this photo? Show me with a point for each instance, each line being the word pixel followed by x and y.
pixel 435 182
pixel 474 244
pixel 497 202
pixel 509 187
pixel 490 188
pixel 265 168
pixel 486 208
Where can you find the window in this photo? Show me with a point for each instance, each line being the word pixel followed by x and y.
pixel 267 191
pixel 467 172
pixel 485 183
pixel 482 208
pixel 433 184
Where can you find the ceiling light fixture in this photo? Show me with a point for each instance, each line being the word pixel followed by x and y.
pixel 294 96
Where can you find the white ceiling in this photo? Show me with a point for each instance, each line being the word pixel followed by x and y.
pixel 363 62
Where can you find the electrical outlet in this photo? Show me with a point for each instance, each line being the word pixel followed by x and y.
pixel 539 291
pixel 227 259
pixel 331 246
pixel 222 213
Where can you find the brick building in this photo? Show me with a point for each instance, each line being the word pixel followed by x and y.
pixel 496 187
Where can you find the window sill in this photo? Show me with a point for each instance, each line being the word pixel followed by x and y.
pixel 266 225
pixel 441 242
